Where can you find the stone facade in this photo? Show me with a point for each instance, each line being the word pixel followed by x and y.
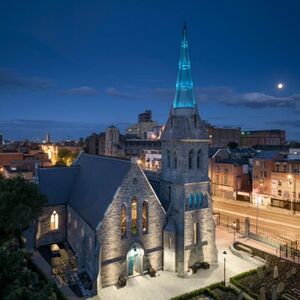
pixel 44 234
pixel 82 238
pixel 185 180
pixel 114 246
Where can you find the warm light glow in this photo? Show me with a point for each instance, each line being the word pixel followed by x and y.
pixel 54 221
pixel 290 176
pixel 139 161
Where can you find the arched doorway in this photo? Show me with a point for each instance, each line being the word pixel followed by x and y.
pixel 135 260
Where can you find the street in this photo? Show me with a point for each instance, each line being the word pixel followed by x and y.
pixel 278 220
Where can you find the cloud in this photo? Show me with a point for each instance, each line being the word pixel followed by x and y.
pixel 80 91
pixel 113 92
pixel 12 80
pixel 289 123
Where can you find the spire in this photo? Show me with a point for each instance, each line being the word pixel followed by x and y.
pixel 184 96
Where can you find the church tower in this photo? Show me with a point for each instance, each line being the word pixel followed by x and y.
pixel 189 235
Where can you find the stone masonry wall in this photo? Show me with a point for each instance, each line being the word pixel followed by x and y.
pixel 114 248
pixel 81 237
pixel 46 236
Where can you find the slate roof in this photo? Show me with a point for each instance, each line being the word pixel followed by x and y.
pixel 57 183
pixel 267 155
pixel 96 184
pixel 88 186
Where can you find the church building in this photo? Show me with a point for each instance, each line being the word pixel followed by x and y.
pixel 107 210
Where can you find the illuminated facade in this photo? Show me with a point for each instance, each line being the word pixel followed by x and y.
pixel 108 212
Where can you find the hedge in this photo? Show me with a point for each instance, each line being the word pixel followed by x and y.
pixel 235 280
pixel 207 291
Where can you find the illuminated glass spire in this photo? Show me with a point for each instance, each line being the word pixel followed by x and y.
pixel 184 96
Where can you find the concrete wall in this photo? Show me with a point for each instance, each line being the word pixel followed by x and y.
pixel 114 248
pixel 44 234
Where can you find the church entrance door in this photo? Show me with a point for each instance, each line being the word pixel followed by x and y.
pixel 135 260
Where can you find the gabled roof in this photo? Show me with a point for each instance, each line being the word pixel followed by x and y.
pixel 57 183
pixel 96 183
pixel 88 186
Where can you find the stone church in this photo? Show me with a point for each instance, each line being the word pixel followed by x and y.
pixel 117 221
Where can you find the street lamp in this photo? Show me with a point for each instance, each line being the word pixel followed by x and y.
pixel 224 255
pixel 258 201
pixel 234 228
pixel 291 179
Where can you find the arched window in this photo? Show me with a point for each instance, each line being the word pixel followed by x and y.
pixel 197 200
pixel 191 201
pixel 54 221
pixel 145 213
pixel 199 159
pixel 201 199
pixel 134 228
pixel 191 156
pixel 175 160
pixel 123 220
pixel 168 159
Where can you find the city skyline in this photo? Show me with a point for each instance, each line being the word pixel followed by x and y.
pixel 63 73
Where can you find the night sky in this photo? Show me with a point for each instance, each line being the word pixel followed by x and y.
pixel 74 67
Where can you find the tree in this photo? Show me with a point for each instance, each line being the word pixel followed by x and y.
pixel 17 280
pixel 233 145
pixel 20 203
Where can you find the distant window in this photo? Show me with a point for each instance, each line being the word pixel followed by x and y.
pixel 279 192
pixel 284 168
pixel 277 167
pixel 199 159
pixel 279 182
pixel 134 228
pixel 265 174
pixel 191 156
pixel 145 213
pixel 123 220
pixel 54 221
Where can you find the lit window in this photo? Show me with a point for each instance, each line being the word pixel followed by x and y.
pixel 195 234
pixel 54 221
pixel 191 154
pixel 134 228
pixel 123 220
pixel 145 217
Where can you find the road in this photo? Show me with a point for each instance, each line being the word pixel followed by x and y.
pixel 276 220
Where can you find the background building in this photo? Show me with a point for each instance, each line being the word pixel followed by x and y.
pixel 262 138
pixel 222 136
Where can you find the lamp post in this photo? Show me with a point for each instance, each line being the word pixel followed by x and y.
pixel 292 182
pixel 224 254
pixel 258 200
pixel 234 228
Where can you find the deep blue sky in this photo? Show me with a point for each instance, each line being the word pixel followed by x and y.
pixel 73 67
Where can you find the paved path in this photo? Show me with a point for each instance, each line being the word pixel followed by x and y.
pixel 44 266
pixel 167 284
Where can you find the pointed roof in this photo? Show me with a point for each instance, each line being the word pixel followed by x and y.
pixel 184 96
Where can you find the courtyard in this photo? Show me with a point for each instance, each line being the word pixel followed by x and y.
pixel 168 285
